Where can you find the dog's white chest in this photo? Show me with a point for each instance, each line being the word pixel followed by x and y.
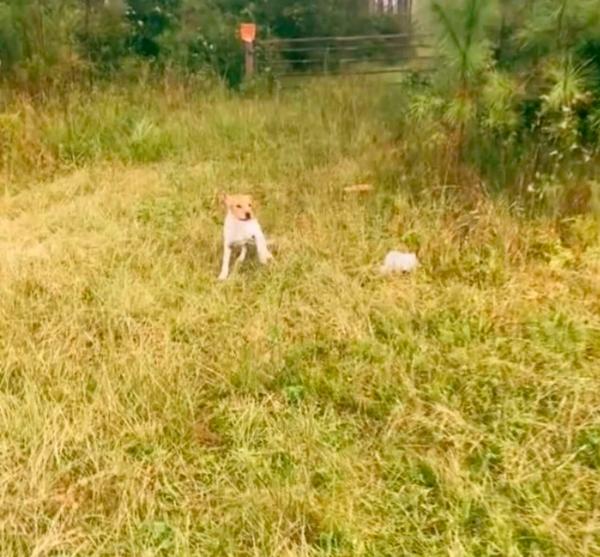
pixel 238 233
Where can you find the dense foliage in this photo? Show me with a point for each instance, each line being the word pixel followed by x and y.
pixel 42 39
pixel 519 92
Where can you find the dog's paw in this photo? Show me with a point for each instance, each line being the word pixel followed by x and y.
pixel 264 258
pixel 222 277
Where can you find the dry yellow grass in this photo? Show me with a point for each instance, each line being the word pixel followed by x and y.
pixel 312 408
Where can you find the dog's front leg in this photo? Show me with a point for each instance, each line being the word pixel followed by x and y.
pixel 264 255
pixel 242 255
pixel 225 267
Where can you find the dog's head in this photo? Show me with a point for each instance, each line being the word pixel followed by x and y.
pixel 240 206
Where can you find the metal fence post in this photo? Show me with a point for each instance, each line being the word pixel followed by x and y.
pixel 248 36
pixel 249 59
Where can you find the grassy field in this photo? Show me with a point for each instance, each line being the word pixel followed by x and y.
pixel 312 408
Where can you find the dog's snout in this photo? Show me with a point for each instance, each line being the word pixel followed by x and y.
pixel 248 215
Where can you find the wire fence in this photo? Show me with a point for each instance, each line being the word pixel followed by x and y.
pixel 358 54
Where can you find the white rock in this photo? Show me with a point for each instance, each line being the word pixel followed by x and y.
pixel 399 262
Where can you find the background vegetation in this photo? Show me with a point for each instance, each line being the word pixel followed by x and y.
pixel 515 98
pixel 312 408
pixel 41 40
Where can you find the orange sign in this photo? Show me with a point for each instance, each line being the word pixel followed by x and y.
pixel 248 32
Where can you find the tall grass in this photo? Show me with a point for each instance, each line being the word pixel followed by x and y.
pixel 152 122
pixel 405 129
pixel 312 408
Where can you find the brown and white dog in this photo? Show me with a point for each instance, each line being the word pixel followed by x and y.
pixel 241 228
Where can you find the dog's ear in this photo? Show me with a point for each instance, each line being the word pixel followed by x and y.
pixel 222 198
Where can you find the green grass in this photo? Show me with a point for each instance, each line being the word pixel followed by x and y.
pixel 312 408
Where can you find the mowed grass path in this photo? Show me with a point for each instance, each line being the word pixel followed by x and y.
pixel 311 408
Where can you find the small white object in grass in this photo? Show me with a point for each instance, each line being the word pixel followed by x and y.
pixel 399 262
